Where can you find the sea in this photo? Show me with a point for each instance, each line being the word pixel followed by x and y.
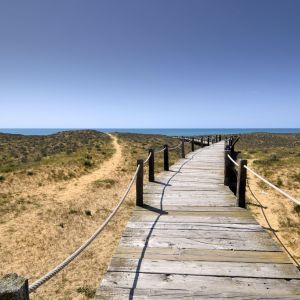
pixel 162 131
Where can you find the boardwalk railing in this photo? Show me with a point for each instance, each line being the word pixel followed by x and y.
pixel 15 287
pixel 235 174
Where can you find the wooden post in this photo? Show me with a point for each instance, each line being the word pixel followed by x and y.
pixel 14 287
pixel 182 149
pixel 241 183
pixel 151 165
pixel 193 144
pixel 208 141
pixel 216 138
pixel 220 138
pixel 166 158
pixel 227 166
pixel 140 183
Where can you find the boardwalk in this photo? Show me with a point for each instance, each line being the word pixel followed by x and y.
pixel 192 242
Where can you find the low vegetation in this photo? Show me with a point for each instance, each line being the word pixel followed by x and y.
pixel 277 158
pixel 136 146
pixel 68 148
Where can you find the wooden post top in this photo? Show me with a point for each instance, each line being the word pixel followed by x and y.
pixel 14 287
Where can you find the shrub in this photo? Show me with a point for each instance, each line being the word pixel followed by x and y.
pixel 88 156
pixel 279 182
pixel 273 157
pixel 296 176
pixel 87 291
pixel 107 183
pixel 88 162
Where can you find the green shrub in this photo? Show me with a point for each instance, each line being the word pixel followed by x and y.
pixel 87 291
pixel 279 182
pixel 88 163
pixel 88 213
pixel 296 176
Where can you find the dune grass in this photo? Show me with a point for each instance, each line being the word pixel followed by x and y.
pixel 277 158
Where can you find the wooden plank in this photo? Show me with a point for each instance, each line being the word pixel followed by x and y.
pixel 108 293
pixel 203 233
pixel 206 285
pixel 189 208
pixel 189 195
pixel 228 243
pixel 196 226
pixel 233 213
pixel 205 268
pixel 184 218
pixel 203 255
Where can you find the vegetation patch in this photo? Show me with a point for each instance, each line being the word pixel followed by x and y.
pixel 104 183
pixel 87 291
pixel 19 152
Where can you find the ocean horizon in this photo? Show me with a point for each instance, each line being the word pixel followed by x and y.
pixel 161 131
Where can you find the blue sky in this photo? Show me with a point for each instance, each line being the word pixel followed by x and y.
pixel 158 63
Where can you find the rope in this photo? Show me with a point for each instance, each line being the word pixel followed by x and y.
pixel 233 160
pixel 147 158
pixel 173 148
pixel 267 182
pixel 70 258
pixel 273 186
pixel 163 149
pixel 265 217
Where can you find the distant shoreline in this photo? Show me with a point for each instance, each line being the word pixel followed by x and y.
pixel 161 131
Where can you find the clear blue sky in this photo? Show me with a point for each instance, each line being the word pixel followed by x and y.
pixel 156 63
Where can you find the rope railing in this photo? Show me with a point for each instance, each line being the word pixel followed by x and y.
pixel 232 160
pixel 262 208
pixel 161 150
pixel 147 159
pixel 173 148
pixel 70 258
pixel 273 186
pixel 267 182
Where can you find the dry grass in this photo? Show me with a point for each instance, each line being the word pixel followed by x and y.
pixel 277 158
pixel 44 220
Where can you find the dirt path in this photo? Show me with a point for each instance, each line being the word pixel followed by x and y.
pixel 77 186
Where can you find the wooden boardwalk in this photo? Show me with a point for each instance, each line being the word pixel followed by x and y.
pixel 192 242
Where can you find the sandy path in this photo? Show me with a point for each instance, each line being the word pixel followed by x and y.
pixel 77 186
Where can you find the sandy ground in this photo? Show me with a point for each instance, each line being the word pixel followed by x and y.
pixel 64 216
pixel 280 213
pixel 78 186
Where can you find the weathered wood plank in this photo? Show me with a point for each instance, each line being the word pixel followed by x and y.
pixel 108 293
pixel 200 243
pixel 196 226
pixel 177 207
pixel 205 268
pixel 204 284
pixel 202 255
